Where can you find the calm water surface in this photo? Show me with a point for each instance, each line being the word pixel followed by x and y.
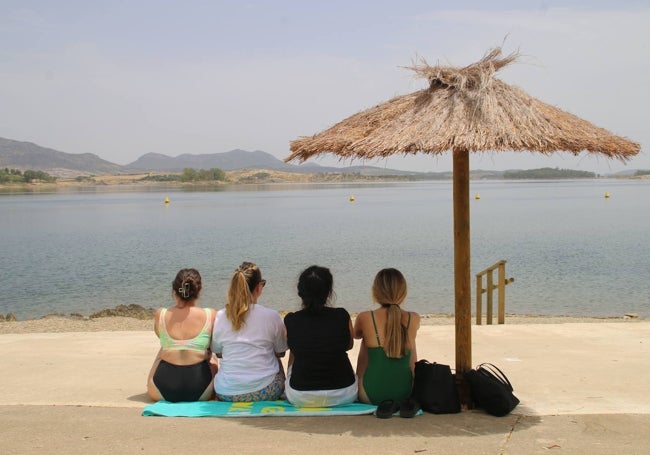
pixel 570 250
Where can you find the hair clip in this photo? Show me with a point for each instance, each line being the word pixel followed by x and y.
pixel 184 290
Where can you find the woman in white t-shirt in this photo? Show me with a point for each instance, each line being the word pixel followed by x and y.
pixel 250 339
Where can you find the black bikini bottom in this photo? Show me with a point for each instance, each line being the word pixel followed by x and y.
pixel 182 383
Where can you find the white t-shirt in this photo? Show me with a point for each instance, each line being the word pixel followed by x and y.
pixel 249 362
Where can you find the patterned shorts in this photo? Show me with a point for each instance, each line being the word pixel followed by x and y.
pixel 271 392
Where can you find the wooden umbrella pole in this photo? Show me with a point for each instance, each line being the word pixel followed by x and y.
pixel 462 278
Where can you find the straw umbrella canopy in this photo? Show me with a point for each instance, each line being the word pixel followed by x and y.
pixel 462 110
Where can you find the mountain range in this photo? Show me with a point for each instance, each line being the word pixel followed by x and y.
pixel 27 155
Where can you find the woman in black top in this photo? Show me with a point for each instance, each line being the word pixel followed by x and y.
pixel 319 371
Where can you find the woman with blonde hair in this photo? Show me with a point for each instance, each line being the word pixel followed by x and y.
pixel 387 355
pixel 249 338
pixel 183 370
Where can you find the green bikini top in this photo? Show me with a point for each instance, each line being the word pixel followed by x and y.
pixel 201 342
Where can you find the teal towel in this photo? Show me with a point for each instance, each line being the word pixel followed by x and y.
pixel 250 409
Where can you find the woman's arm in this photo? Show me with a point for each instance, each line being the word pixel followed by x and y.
pixel 208 352
pixel 215 346
pixel 156 318
pixel 413 330
pixel 362 360
pixel 280 342
pixel 358 325
pixel 362 365
pixel 351 344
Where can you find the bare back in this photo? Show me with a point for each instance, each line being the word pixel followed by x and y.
pixel 365 329
pixel 183 324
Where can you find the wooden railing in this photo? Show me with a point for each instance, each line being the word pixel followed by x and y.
pixel 500 286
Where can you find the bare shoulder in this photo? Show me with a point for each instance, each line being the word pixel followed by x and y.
pixel 360 322
pixel 362 317
pixel 415 320
pixel 156 318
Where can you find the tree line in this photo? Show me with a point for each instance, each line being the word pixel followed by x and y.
pixel 17 176
pixel 190 175
pixel 548 173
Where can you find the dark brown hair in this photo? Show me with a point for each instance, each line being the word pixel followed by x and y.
pixel 315 288
pixel 187 285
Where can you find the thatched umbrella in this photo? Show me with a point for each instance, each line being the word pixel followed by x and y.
pixel 463 110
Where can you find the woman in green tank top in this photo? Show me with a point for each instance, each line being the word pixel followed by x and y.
pixel 387 354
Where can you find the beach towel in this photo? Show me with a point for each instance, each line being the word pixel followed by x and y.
pixel 250 409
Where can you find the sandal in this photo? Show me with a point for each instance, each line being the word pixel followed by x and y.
pixel 386 409
pixel 409 408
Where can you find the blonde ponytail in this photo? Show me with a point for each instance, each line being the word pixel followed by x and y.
pixel 396 336
pixel 240 293
pixel 389 290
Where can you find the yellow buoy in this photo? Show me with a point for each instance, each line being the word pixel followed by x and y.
pixel 477 196
pixel 352 198
pixel 166 200
pixel 606 195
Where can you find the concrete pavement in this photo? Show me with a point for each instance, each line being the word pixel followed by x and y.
pixel 582 386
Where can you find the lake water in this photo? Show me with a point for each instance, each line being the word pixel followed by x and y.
pixel 570 250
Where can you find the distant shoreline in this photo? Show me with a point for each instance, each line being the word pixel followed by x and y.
pixel 241 177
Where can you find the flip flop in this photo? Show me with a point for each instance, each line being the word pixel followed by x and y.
pixel 409 408
pixel 386 409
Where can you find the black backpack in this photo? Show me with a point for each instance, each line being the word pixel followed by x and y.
pixel 434 387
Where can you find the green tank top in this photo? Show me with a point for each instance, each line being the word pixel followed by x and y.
pixel 387 378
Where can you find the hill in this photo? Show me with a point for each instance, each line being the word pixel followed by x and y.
pixel 236 160
pixel 26 155
pixel 228 161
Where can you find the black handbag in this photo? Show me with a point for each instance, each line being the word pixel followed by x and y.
pixel 491 390
pixel 435 388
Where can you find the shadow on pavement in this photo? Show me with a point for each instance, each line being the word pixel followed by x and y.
pixel 467 423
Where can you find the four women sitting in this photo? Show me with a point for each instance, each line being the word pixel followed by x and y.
pixel 250 339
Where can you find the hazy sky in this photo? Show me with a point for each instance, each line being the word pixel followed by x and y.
pixel 123 78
